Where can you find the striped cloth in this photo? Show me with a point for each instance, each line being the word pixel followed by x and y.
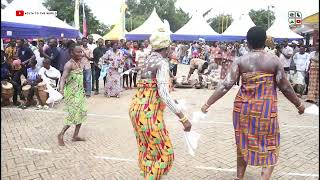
pixel 255 120
pixel 155 154
pixel 313 89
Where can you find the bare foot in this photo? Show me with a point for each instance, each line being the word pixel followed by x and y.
pixel 60 140
pixel 78 139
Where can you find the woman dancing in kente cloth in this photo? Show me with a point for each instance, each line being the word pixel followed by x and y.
pixel 255 114
pixel 71 86
pixel 147 108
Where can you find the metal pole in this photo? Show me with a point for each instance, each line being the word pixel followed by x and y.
pixel 222 24
pixel 131 22
pixel 219 24
pixel 227 18
pixel 268 17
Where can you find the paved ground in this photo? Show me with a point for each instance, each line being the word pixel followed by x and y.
pixel 29 145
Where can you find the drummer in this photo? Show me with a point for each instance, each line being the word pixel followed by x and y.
pixel 7 78
pixel 49 74
pixel 33 78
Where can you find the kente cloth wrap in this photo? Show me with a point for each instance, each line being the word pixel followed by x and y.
pixel 155 154
pixel 255 120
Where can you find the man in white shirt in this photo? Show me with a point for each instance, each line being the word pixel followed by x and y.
pixel 49 74
pixel 87 61
pixel 2 46
pixel 243 49
pixel 300 60
pixel 91 45
pixel 147 48
pixel 285 57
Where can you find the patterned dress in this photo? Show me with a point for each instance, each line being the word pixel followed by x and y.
pixel 155 154
pixel 255 120
pixel 74 98
pixel 313 89
pixel 225 63
pixel 113 81
pixel 146 113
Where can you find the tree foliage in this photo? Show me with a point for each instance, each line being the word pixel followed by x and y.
pixel 65 9
pixel 138 12
pixel 4 6
pixel 220 22
pixel 260 17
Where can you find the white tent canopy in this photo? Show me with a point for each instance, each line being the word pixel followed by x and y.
pixel 280 29
pixel 9 14
pixel 197 25
pixel 150 25
pixel 240 26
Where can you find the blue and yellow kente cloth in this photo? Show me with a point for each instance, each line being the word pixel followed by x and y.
pixel 255 120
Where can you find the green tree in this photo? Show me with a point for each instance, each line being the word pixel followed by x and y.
pixel 138 12
pixel 260 17
pixel 65 9
pixel 217 21
pixel 4 6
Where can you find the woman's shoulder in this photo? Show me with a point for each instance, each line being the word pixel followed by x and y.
pixel 266 59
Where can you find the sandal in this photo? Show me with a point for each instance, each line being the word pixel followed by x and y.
pixel 23 106
pixel 45 107
pixel 39 107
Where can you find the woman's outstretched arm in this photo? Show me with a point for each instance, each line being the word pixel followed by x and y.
pixel 231 78
pixel 287 89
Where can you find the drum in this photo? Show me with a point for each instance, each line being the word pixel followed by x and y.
pixel 43 95
pixel 198 86
pixel 42 86
pixel 6 93
pixel 25 90
pixel 183 86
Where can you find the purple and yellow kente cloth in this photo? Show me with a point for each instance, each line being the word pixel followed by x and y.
pixel 155 149
pixel 255 120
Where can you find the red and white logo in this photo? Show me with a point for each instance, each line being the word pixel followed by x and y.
pixel 298 21
pixel 19 13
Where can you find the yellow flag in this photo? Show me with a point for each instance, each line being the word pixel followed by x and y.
pixel 118 31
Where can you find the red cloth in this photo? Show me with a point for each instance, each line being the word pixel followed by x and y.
pixel 84 24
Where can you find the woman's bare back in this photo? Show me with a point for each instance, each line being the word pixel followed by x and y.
pixel 258 61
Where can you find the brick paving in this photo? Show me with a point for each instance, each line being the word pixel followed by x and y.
pixel 110 151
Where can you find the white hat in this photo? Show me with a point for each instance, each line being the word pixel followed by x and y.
pixel 295 42
pixel 202 40
pixel 160 39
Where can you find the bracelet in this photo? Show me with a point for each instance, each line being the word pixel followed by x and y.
pixel 184 119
